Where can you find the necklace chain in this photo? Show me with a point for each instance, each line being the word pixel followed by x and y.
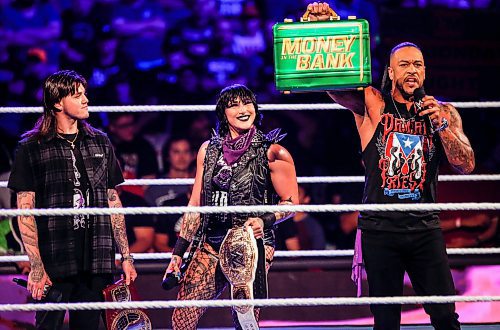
pixel 399 114
pixel 72 143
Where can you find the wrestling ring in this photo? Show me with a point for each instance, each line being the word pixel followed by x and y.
pixel 478 304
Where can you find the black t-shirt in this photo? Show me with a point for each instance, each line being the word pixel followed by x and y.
pixel 82 224
pixel 284 230
pixel 165 223
pixel 134 221
pixel 137 158
pixel 6 146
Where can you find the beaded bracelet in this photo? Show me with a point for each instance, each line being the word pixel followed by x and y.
pixel 443 126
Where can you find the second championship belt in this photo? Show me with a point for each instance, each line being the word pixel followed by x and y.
pixel 238 260
pixel 126 318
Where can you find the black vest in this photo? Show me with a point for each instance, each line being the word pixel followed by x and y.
pixel 401 163
pixel 251 179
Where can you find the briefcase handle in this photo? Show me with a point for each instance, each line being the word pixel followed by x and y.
pixel 333 15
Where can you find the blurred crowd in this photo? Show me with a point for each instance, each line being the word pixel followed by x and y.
pixel 183 52
pixel 158 52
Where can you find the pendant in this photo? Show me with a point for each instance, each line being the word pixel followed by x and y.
pixel 72 145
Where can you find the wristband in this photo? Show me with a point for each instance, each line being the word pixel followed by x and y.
pixel 128 258
pixel 180 247
pixel 269 219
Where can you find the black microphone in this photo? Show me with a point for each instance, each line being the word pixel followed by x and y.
pixel 50 294
pixel 172 279
pixel 418 95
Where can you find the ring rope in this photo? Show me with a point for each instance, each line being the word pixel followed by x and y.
pixel 252 209
pixel 185 108
pixel 314 179
pixel 304 179
pixel 273 302
pixel 278 254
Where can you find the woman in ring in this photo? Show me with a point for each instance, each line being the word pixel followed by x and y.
pixel 239 165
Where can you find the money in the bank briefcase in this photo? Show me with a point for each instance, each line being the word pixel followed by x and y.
pixel 322 55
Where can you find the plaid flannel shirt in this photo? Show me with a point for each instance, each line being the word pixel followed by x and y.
pixel 52 172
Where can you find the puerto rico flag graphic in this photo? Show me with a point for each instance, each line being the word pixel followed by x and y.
pixel 403 163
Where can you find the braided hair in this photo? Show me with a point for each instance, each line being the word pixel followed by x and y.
pixel 386 86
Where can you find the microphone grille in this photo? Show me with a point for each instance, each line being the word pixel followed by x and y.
pixel 419 93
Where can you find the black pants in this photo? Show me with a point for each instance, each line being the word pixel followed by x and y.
pixel 80 288
pixel 422 255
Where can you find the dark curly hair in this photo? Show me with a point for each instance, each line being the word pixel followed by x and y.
pixel 225 97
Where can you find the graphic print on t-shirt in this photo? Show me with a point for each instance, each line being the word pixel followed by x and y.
pixel 404 150
pixel 219 198
pixel 80 197
pixel 130 162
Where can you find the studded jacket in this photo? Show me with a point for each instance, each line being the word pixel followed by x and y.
pixel 251 178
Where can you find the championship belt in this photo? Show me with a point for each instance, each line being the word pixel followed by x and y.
pixel 121 319
pixel 238 260
pixel 322 55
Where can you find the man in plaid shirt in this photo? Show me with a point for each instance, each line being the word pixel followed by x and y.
pixel 64 162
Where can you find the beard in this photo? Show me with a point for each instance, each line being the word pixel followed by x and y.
pixel 407 96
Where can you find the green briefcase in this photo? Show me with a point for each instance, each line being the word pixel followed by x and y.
pixel 322 55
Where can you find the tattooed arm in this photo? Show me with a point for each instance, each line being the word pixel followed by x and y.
pixel 120 234
pixel 190 221
pixel 37 278
pixel 456 145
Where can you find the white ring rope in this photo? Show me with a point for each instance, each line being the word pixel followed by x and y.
pixel 184 108
pixel 313 179
pixel 275 302
pixel 252 209
pixel 280 254
pixel 304 179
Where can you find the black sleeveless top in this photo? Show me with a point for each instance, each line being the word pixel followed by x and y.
pixel 218 224
pixel 401 162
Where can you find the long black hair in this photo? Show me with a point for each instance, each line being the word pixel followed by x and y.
pixel 386 86
pixel 228 95
pixel 56 87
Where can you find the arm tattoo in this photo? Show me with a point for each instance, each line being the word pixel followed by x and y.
pixel 118 223
pixel 190 223
pixel 29 235
pixel 112 195
pixel 456 145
